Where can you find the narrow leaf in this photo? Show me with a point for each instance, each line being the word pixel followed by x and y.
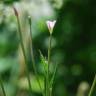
pixel 44 62
pixel 53 77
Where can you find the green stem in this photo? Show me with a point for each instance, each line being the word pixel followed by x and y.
pixel 23 50
pixel 2 86
pixel 32 56
pixel 50 91
pixel 48 71
pixel 92 87
pixel 45 87
pixel 53 77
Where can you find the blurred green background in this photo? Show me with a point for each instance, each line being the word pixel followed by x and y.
pixel 73 45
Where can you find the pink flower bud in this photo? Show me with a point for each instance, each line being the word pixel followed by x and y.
pixel 50 25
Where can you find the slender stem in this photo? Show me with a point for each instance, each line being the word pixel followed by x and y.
pixel 45 86
pixel 23 50
pixel 92 87
pixel 50 91
pixel 53 77
pixel 32 55
pixel 2 86
pixel 49 53
pixel 48 71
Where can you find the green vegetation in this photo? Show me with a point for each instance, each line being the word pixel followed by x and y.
pixel 70 68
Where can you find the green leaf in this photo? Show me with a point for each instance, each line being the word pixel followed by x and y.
pixel 53 77
pixel 44 62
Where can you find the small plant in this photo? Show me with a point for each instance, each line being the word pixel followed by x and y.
pixel 48 89
pixel 48 80
pixel 46 62
pixel 48 83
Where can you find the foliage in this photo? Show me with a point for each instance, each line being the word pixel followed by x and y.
pixel 73 46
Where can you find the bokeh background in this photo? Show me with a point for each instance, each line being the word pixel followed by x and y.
pixel 73 45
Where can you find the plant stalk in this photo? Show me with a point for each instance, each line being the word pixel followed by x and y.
pixel 92 87
pixel 24 54
pixel 32 55
pixel 2 86
pixel 48 71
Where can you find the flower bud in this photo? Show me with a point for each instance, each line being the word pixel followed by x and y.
pixel 50 25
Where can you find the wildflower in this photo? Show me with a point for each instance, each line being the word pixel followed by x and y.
pixel 50 25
